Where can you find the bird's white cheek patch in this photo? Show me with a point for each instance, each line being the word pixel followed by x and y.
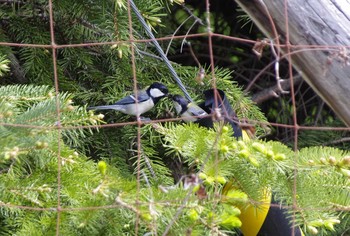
pixel 156 93
pixel 177 107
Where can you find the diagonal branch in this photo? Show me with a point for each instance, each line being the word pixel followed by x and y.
pixel 272 92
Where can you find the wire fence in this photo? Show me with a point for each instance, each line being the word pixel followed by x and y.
pixel 54 47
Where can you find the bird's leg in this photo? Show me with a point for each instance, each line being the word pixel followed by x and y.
pixel 141 118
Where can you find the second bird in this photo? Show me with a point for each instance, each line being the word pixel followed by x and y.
pixel 145 100
pixel 188 111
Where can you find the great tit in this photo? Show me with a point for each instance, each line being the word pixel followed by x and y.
pixel 146 99
pixel 188 111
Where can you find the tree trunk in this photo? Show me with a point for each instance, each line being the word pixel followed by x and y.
pixel 319 38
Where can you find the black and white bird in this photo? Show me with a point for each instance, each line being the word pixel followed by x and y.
pixel 145 100
pixel 188 111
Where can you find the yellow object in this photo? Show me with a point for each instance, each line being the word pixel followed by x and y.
pixel 253 217
pixel 245 135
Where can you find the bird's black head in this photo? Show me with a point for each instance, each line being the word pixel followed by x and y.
pixel 180 103
pixel 157 91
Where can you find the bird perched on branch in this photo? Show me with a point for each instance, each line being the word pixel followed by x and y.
pixel 188 111
pixel 137 105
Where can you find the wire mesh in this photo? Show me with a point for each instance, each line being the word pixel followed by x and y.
pixel 138 204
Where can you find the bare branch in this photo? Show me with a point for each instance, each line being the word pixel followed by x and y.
pixel 272 92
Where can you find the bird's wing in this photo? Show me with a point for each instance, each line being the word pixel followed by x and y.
pixel 141 97
pixel 196 110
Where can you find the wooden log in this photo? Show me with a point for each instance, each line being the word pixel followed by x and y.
pixel 319 38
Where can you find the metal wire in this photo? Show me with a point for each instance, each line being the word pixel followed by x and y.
pixel 160 50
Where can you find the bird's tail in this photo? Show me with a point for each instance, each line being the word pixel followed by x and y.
pixel 106 107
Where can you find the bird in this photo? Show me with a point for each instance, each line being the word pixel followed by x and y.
pixel 145 100
pixel 188 111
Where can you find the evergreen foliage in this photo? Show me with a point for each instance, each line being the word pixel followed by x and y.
pixel 185 178
pixel 253 166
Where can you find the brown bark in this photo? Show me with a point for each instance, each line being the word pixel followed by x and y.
pixel 325 26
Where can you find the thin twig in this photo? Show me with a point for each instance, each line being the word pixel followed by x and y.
pixel 177 29
pixel 199 20
pixel 271 92
pixel 277 69
pixel 342 140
